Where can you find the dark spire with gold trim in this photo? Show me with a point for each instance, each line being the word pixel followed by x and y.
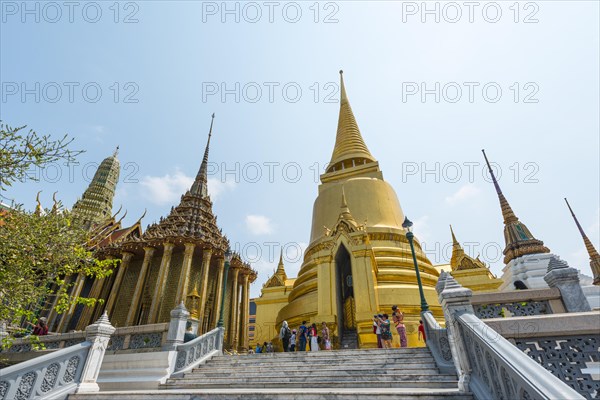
pixel 350 148
pixel 594 256
pixel 518 238
pixel 200 185
pixel 193 219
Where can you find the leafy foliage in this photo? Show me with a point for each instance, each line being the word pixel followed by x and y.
pixel 20 151
pixel 37 252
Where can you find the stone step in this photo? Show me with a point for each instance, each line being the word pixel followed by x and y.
pixel 361 352
pixel 364 368
pixel 283 357
pixel 333 363
pixel 281 394
pixel 276 374
pixel 308 383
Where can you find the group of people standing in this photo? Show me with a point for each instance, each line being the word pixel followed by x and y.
pixel 382 328
pixel 305 336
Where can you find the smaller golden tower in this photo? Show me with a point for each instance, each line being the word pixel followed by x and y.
pixel 471 272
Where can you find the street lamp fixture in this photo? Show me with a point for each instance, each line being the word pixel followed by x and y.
pixel 407 224
pixel 228 256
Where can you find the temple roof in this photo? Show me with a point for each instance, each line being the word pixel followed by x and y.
pixel 279 277
pixel 350 148
pixel 460 260
pixel 193 219
pixel 594 256
pixel 519 240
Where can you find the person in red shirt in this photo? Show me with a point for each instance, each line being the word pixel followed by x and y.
pixel 41 328
pixel 422 331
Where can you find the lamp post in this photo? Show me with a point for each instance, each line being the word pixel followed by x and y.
pixel 228 256
pixel 407 224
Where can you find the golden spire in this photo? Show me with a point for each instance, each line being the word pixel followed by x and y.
pixel 279 277
pixel 507 212
pixel 350 148
pixel 518 238
pixel 594 256
pixel 200 185
pixel 454 241
pixel 460 260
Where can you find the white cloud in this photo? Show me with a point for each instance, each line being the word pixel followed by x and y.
pixel 465 192
pixel 259 224
pixel 166 189
pixel 217 187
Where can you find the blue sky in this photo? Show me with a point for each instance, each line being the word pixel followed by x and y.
pixel 520 81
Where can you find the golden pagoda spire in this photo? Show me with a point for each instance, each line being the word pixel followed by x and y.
pixel 279 276
pixel 350 148
pixel 518 238
pixel 200 185
pixel 461 261
pixel 594 256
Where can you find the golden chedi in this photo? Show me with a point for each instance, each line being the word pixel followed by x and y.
pixel 358 262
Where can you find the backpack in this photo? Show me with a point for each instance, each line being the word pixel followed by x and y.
pixel 302 331
pixel 287 334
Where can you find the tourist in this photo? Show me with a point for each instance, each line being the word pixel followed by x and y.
pixel 258 349
pixel 398 318
pixel 293 341
pixel 269 347
pixel 189 335
pixel 41 328
pixel 284 335
pixel 314 338
pixel 325 336
pixel 422 336
pixel 386 333
pixel 302 337
pixel 377 330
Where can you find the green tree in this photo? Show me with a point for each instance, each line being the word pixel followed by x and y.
pixel 37 251
pixel 20 151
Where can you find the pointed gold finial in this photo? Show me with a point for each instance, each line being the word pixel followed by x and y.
pixel 350 148
pixel 592 252
pixel 454 241
pixel 55 205
pixel 38 208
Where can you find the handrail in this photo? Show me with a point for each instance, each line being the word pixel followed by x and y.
pixel 197 351
pixel 52 374
pixel 501 370
pixel 436 338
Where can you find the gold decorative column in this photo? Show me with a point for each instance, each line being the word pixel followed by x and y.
pixel 95 292
pixel 206 254
pixel 245 312
pixel 139 287
pixel 221 268
pixel 235 309
pixel 66 318
pixel 160 282
pixel 184 277
pixel 125 260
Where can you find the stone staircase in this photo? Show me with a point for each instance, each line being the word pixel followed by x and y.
pixel 349 340
pixel 408 373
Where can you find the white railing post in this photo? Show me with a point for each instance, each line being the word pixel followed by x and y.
pixel 179 317
pixel 566 279
pixel 455 301
pixel 98 334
